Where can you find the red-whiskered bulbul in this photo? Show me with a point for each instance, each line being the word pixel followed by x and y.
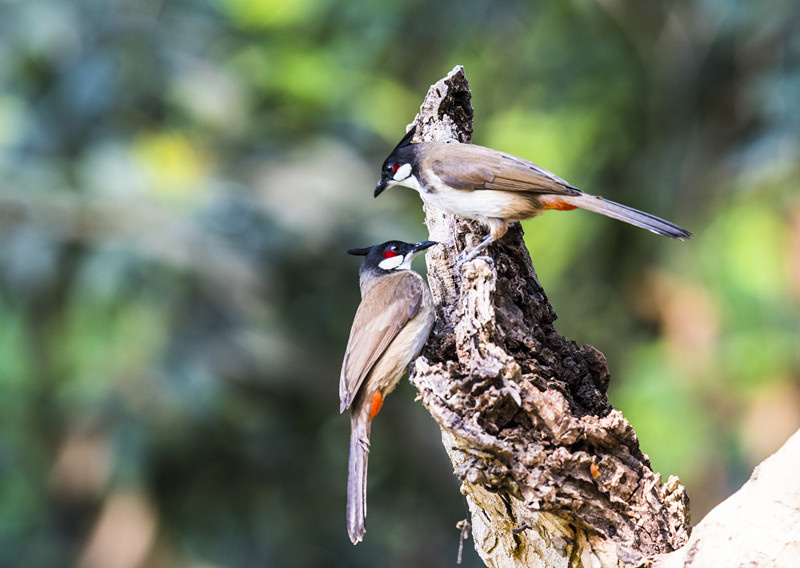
pixel 391 326
pixel 496 188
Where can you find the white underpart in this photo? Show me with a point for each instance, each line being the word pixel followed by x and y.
pixel 402 172
pixel 406 264
pixel 393 262
pixel 412 182
pixel 479 204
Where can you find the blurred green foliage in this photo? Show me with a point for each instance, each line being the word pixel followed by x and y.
pixel 180 180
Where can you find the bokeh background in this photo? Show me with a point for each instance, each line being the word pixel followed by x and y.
pixel 179 180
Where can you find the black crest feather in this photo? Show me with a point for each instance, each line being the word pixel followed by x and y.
pixel 359 251
pixel 406 139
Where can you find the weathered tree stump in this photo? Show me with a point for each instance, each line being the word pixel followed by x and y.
pixel 553 475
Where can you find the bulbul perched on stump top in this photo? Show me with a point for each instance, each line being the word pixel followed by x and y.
pixel 496 188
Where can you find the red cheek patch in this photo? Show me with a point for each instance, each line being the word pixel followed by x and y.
pixel 389 254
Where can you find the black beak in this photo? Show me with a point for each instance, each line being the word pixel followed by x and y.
pixel 423 245
pixel 380 187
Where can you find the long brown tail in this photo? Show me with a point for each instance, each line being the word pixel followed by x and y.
pixel 357 478
pixel 628 215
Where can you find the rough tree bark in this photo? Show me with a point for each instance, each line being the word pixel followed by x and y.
pixel 553 476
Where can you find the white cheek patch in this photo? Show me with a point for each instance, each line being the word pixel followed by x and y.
pixel 402 172
pixel 391 263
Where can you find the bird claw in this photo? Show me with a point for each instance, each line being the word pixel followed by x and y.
pixel 465 256
pixel 462 258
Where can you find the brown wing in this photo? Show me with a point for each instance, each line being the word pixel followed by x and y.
pixel 383 312
pixel 469 166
